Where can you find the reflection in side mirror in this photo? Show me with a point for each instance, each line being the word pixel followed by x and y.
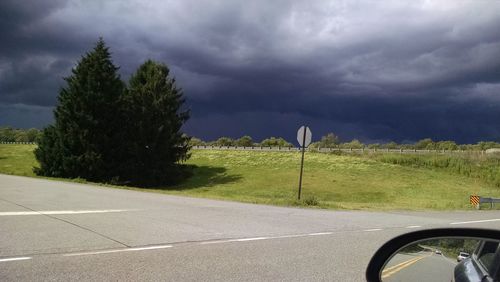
pixel 444 259
pixel 439 254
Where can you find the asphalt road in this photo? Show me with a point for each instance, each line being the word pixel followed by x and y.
pixel 424 266
pixel 66 231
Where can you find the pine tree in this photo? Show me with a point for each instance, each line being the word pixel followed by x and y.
pixel 82 143
pixel 49 153
pixel 154 117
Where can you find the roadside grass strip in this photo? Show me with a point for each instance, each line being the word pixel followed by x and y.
pixel 338 182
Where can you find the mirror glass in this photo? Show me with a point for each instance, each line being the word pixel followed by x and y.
pixel 444 259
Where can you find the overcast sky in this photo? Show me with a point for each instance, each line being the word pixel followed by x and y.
pixel 372 70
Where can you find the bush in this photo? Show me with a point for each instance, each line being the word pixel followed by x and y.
pixel 275 142
pixel 391 146
pixel 328 141
pixel 8 134
pixel 196 142
pixel 224 141
pixel 311 201
pixel 245 141
pixel 354 144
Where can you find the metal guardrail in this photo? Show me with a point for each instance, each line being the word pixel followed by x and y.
pixel 255 148
pixel 19 143
pixel 491 201
pixel 321 150
pixel 476 201
pixel 327 150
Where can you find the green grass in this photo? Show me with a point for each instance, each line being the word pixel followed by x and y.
pixel 480 166
pixel 330 181
pixel 17 159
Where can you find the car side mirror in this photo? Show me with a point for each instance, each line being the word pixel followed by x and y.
pixel 447 254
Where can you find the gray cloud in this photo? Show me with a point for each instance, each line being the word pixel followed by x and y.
pixel 367 69
pixel 25 116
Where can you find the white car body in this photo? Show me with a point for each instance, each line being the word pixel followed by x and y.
pixel 462 256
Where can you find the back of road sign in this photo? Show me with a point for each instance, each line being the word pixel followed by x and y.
pixel 300 136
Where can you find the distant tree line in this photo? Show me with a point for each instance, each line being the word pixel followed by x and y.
pixel 245 141
pixel 9 134
pixel 451 247
pixel 331 140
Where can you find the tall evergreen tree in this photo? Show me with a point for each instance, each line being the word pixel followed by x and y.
pixel 82 143
pixel 154 114
pixel 49 153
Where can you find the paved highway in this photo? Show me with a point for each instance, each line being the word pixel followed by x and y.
pixel 61 231
pixel 424 266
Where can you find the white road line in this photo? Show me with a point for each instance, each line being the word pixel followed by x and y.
pixel 288 236
pixel 249 239
pixel 58 212
pixel 117 251
pixel 214 242
pixel 14 259
pixel 413 226
pixel 319 233
pixel 265 238
pixel 275 237
pixel 150 248
pixel 475 221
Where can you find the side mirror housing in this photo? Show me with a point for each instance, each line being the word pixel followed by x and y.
pixel 435 245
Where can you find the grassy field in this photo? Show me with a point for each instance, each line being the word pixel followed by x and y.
pixel 480 166
pixel 330 181
pixel 17 159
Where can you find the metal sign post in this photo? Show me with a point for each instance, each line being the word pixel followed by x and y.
pixel 304 137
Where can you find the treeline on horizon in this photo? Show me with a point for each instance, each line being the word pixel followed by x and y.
pixel 9 134
pixel 333 141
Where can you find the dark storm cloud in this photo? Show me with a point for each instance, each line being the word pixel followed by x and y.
pixel 363 69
